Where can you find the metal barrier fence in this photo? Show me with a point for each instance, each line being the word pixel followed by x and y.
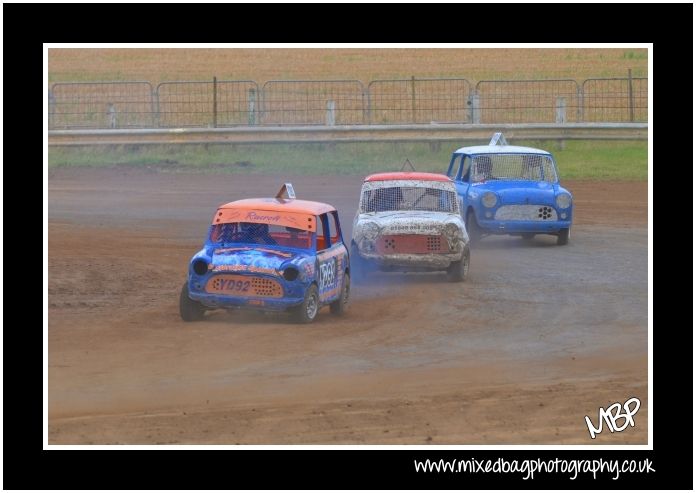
pixel 310 102
pixel 207 104
pixel 101 105
pixel 615 100
pixel 187 104
pixel 232 103
pixel 522 101
pixel 419 101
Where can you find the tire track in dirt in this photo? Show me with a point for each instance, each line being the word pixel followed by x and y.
pixel 536 338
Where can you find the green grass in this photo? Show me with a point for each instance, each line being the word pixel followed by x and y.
pixel 635 55
pixel 600 160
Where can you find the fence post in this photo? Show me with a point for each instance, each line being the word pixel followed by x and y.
pixel 561 116
pixel 413 99
pixel 367 116
pixel 51 108
pixel 262 104
pixel 560 109
pixel 630 95
pixel 252 106
pixel 111 115
pixel 331 113
pixel 214 102
pixel 154 107
pixel 475 107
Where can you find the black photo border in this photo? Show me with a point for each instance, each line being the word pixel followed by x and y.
pixel 27 27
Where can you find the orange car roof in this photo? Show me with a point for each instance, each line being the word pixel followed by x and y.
pixel 406 175
pixel 281 205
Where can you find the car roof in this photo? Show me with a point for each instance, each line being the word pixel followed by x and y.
pixel 280 205
pixel 407 175
pixel 498 149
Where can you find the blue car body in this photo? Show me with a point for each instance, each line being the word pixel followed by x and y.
pixel 266 254
pixel 252 262
pixel 511 190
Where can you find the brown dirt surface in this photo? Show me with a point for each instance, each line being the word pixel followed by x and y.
pixel 538 337
pixel 157 65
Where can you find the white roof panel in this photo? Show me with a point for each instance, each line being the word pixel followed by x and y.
pixel 500 150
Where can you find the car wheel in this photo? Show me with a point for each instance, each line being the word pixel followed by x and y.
pixel 189 309
pixel 527 236
pixel 563 236
pixel 357 263
pixel 458 271
pixel 339 306
pixel 473 228
pixel 307 311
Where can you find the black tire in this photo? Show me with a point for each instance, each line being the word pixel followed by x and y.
pixel 189 309
pixel 340 306
pixel 563 236
pixel 458 271
pixel 357 263
pixel 473 228
pixel 527 236
pixel 307 311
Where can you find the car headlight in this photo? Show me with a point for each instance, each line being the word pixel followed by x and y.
pixel 291 273
pixel 200 266
pixel 563 200
pixel 489 199
pixel 452 230
pixel 370 230
pixel 367 246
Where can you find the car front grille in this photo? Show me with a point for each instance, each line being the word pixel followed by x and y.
pixel 244 286
pixel 526 213
pixel 412 244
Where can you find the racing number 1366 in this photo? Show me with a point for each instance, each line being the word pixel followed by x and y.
pixel 327 273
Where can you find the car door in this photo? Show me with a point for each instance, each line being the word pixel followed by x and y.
pixel 332 258
pixel 459 169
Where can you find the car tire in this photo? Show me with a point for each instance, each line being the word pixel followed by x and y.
pixel 563 236
pixel 473 228
pixel 458 270
pixel 340 306
pixel 189 309
pixel 307 311
pixel 357 264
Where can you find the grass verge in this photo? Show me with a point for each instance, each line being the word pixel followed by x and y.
pixel 600 160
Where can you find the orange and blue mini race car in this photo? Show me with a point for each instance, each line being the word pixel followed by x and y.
pixel 270 254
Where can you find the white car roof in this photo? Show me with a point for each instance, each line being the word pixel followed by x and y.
pixel 498 149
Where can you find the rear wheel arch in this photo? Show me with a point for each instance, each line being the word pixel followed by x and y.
pixel 338 307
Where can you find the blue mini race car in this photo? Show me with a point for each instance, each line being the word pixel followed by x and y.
pixel 511 190
pixel 271 254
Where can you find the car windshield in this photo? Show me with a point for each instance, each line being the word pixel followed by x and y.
pixel 259 234
pixel 408 198
pixel 532 167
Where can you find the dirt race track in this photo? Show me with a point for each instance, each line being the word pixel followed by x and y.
pixel 537 338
